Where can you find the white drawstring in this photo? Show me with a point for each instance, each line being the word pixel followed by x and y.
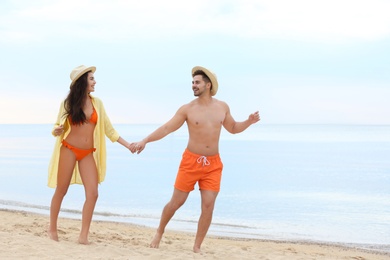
pixel 204 159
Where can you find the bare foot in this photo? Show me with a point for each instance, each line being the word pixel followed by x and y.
pixel 197 249
pixel 84 241
pixel 156 240
pixel 52 235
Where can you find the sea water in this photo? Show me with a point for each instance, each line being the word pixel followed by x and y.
pixel 320 183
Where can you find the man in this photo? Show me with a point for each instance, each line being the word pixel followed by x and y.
pixel 200 163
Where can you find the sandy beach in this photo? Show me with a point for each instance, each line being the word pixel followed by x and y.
pixel 23 236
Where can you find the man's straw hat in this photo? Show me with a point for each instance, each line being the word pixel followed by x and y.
pixel 212 77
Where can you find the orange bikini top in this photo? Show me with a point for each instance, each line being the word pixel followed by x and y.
pixel 93 119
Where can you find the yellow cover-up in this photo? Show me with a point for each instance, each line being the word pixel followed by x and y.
pixel 103 128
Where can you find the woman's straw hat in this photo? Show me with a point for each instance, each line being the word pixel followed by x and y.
pixel 212 77
pixel 79 71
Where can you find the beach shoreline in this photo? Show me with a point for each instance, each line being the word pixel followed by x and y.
pixel 23 235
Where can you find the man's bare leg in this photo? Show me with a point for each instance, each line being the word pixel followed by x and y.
pixel 177 200
pixel 208 202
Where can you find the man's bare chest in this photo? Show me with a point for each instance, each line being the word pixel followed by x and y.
pixel 207 118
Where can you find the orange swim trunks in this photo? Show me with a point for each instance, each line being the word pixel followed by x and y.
pixel 206 170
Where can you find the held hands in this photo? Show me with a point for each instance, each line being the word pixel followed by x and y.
pixel 137 147
pixel 254 118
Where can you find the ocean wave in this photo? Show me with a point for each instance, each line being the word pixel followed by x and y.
pixel 9 204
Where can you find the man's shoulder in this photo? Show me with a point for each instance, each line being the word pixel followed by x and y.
pixel 195 102
pixel 220 102
pixel 192 103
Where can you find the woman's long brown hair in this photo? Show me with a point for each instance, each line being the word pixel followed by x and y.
pixel 74 100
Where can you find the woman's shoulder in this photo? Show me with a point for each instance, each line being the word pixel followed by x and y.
pixel 96 99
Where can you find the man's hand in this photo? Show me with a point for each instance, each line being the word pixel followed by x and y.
pixel 137 147
pixel 254 118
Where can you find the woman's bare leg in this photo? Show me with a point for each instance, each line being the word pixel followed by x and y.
pixel 89 175
pixel 66 165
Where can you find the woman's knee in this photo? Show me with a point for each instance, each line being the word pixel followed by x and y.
pixel 61 191
pixel 92 195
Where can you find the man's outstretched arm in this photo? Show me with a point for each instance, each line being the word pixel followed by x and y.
pixel 172 125
pixel 234 127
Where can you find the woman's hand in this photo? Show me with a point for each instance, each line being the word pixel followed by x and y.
pixel 137 147
pixel 58 130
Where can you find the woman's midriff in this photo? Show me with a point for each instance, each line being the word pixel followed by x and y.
pixel 81 136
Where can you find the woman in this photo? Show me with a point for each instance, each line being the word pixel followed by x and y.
pixel 80 152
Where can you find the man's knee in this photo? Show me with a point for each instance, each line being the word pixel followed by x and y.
pixel 175 204
pixel 208 208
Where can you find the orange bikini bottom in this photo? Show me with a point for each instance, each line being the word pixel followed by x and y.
pixel 79 153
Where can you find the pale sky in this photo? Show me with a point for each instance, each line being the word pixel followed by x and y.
pixel 301 61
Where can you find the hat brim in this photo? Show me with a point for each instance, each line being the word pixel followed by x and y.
pixel 212 77
pixel 91 68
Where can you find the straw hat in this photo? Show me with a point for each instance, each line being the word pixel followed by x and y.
pixel 212 77
pixel 79 71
